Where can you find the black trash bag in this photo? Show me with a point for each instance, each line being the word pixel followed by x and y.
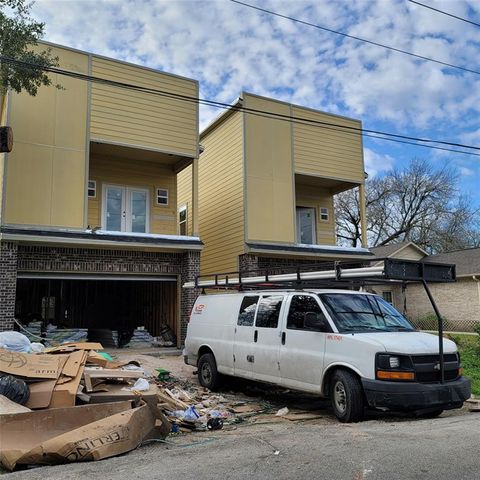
pixel 14 389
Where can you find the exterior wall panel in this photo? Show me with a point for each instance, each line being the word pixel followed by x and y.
pixel 269 173
pixel 221 207
pixel 137 118
pixel 327 152
pixel 46 168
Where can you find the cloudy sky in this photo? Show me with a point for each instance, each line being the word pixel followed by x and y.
pixel 230 48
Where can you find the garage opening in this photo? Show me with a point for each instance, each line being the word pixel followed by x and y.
pixel 100 304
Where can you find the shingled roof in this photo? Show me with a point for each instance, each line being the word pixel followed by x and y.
pixel 467 261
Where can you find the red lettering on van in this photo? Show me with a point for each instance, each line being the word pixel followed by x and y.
pixel 336 338
pixel 198 308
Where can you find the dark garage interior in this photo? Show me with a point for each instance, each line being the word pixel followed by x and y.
pixel 104 303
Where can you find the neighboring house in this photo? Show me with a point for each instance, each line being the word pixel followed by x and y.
pixel 458 302
pixel 89 231
pixel 266 186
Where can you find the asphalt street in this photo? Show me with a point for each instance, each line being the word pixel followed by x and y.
pixel 383 448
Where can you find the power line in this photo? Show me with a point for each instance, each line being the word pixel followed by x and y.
pixel 379 135
pixel 371 42
pixel 445 13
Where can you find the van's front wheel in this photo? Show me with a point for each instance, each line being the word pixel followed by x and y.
pixel 347 397
pixel 208 375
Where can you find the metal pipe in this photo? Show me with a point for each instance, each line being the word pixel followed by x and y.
pixel 440 331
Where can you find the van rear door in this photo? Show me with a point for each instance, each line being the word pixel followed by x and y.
pixel 302 348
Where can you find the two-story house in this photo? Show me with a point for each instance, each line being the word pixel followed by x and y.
pixel 267 179
pixel 88 199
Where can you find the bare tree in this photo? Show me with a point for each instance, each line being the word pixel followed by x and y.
pixel 417 203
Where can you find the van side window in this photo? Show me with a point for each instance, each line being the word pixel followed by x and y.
pixel 246 314
pixel 269 311
pixel 300 306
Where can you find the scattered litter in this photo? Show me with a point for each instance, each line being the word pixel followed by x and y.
pixel 14 389
pixel 15 342
pixel 282 412
pixel 276 452
pixel 141 385
pixel 215 424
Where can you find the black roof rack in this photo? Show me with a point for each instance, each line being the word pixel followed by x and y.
pixel 340 273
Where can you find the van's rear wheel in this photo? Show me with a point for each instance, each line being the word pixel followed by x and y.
pixel 208 375
pixel 347 397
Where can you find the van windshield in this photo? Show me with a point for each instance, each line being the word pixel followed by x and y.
pixel 363 313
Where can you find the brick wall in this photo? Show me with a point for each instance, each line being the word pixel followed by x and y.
pixel 458 302
pixel 89 260
pixel 250 261
pixel 8 284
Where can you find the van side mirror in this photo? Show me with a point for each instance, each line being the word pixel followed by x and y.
pixel 315 321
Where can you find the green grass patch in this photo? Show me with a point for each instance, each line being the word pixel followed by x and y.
pixel 469 348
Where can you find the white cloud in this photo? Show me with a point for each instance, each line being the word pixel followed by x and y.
pixel 466 172
pixel 376 163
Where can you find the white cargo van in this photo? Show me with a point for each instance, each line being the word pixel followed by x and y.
pixel 350 346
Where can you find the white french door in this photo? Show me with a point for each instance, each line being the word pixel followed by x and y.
pixel 125 209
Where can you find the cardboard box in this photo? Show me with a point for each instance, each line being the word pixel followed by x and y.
pixel 28 365
pixel 75 434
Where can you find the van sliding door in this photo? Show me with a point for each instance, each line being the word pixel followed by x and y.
pixel 266 345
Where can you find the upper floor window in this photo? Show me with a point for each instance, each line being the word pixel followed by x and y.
pixel 92 189
pixel 125 209
pixel 324 214
pixel 182 220
pixel 162 196
pixel 306 225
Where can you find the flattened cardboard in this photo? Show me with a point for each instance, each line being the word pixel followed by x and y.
pixel 28 365
pixel 44 425
pixel 105 437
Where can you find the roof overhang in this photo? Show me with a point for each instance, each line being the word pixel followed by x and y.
pixel 94 239
pixel 325 252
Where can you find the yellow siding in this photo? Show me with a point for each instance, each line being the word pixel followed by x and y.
pixel 269 173
pixel 221 208
pixel 129 117
pixel 133 173
pixel 184 194
pixel 327 152
pixel 308 196
pixel 46 169
pixel 3 121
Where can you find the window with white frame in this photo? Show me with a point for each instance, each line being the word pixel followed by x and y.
pixel 92 189
pixel 387 296
pixel 162 196
pixel 324 214
pixel 182 220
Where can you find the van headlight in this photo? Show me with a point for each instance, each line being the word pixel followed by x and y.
pixel 393 367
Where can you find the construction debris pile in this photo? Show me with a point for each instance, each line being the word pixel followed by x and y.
pixel 74 403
